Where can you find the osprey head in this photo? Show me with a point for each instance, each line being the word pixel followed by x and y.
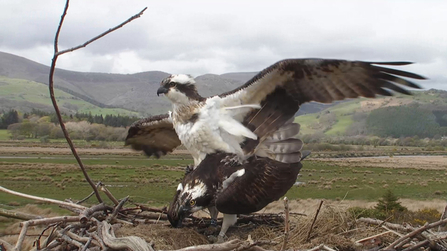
pixel 192 195
pixel 179 89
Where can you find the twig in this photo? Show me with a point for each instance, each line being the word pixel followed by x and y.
pixel 286 223
pixel 104 33
pixel 56 107
pixel 321 246
pixel 387 224
pixel 22 235
pixel 362 241
pixel 88 212
pixel 57 53
pixel 399 242
pixel 443 216
pixel 150 209
pixel 58 202
pixel 37 242
pixel 418 245
pixel 313 222
pixel 117 209
pixel 87 244
pixel 50 220
pixel 109 195
pixel 18 215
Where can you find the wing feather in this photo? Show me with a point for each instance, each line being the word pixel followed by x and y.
pixel 322 80
pixel 263 182
pixel 282 87
pixel 154 135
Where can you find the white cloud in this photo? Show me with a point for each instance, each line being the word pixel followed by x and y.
pixel 199 37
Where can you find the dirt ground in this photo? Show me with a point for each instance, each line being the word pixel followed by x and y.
pixel 417 162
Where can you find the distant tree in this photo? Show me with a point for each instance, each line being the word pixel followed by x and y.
pixel 402 121
pixel 9 118
pixel 389 203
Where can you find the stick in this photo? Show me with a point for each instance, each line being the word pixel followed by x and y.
pixel 50 220
pixel 418 245
pixel 58 202
pixel 313 222
pixel 361 241
pixel 286 223
pixel 399 242
pixel 56 54
pixel 109 195
pixel 387 224
pixel 56 107
pixel 117 209
pixel 87 213
pixel 18 215
pixel 443 216
pixel 129 242
pixel 22 235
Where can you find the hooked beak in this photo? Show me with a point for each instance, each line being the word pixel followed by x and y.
pixel 176 215
pixel 162 90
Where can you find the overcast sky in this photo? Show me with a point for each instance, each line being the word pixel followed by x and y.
pixel 199 37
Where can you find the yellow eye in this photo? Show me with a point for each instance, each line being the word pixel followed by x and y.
pixel 192 203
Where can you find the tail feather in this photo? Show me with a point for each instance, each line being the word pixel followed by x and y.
pixel 285 132
pixel 288 157
pixel 284 146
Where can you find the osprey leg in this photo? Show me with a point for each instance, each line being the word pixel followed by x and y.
pixel 228 220
pixel 213 215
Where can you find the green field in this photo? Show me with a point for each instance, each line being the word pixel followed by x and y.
pixel 29 91
pixel 154 181
pixel 4 135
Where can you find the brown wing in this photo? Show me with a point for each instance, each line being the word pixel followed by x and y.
pixel 324 80
pixel 284 86
pixel 263 182
pixel 154 135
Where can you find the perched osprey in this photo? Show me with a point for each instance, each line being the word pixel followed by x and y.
pixel 231 189
pixel 238 121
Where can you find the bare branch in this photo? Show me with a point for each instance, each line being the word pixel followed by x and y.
pixel 286 223
pixel 130 242
pixel 313 222
pixel 399 242
pixel 22 235
pixel 109 194
pixel 57 202
pixel 51 84
pixel 18 215
pixel 443 216
pixel 104 33
pixel 56 107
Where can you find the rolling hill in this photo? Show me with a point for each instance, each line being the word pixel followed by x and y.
pixel 133 92
pixel 24 95
pixel 344 118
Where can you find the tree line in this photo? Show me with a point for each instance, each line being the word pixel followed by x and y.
pixel 406 121
pixel 41 124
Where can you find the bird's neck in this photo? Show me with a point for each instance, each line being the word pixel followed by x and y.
pixel 182 112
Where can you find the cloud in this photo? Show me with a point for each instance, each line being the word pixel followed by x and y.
pixel 200 37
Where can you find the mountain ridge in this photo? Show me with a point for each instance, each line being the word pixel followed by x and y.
pixel 133 92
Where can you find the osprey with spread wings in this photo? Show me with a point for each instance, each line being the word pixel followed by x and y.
pixel 243 121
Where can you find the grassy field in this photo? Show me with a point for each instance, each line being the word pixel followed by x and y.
pixel 4 134
pixel 154 181
pixel 24 90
